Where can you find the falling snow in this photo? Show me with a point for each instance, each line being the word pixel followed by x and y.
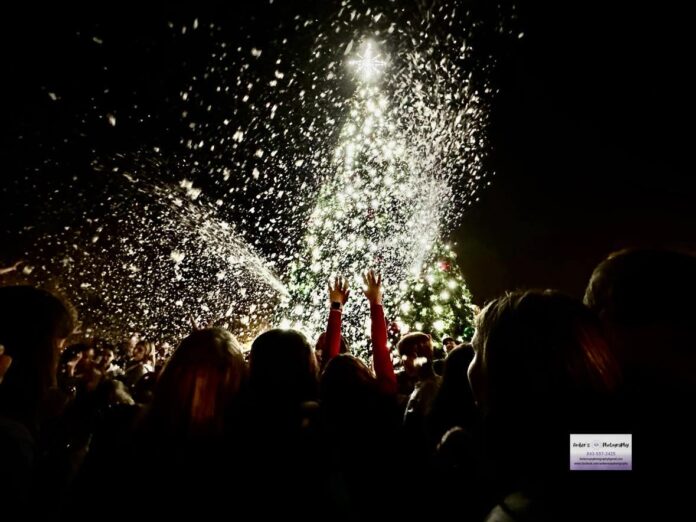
pixel 267 171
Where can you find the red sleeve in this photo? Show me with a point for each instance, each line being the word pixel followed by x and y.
pixel 333 335
pixel 381 360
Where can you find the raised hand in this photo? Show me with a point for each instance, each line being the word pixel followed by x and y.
pixel 373 287
pixel 13 268
pixel 338 291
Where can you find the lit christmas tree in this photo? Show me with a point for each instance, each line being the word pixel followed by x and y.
pixel 435 300
pixel 377 210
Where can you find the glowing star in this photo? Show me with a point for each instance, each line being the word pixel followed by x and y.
pixel 368 64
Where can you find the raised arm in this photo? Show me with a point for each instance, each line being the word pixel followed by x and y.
pixel 338 295
pixel 381 360
pixel 13 268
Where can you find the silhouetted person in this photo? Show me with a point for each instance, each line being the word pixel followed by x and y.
pixel 448 344
pixel 542 370
pixel 646 300
pixel 140 364
pixel 184 454
pixel 360 417
pixel 453 404
pixel 281 424
pixel 33 328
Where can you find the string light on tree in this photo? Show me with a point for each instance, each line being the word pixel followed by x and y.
pixel 439 302
pixel 377 209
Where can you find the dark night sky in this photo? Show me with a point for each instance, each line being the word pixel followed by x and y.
pixel 589 131
pixel 592 146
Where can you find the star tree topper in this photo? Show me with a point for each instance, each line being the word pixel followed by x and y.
pixel 369 64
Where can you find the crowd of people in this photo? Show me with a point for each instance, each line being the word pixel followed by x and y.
pixel 304 429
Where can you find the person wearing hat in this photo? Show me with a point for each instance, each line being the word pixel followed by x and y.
pixel 448 344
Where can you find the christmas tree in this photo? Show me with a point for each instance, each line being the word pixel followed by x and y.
pixel 435 299
pixel 378 209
